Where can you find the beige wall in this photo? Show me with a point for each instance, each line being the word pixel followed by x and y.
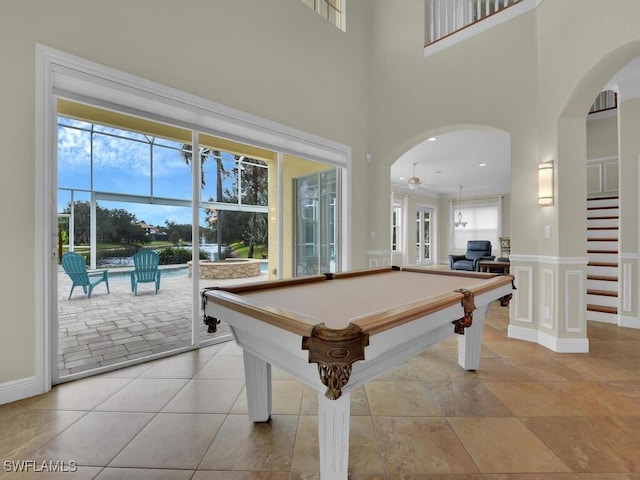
pixel 602 137
pixel 275 59
pixel 370 88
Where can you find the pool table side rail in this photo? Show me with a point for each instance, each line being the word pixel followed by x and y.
pixel 292 322
pixel 384 320
pixel 371 324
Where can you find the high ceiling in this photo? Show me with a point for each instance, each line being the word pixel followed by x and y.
pixel 479 160
pixel 454 158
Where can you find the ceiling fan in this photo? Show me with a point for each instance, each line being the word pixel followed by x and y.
pixel 413 182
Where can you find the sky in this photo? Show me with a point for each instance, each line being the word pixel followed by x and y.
pixel 124 166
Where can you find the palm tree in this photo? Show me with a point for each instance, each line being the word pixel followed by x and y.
pixel 186 154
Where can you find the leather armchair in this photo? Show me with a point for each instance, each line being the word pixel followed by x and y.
pixel 476 250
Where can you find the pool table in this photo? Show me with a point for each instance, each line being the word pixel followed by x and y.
pixel 337 331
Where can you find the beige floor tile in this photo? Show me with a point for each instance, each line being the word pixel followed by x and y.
pixel 627 389
pixel 529 399
pixel 594 399
pixel 517 349
pixel 143 395
pixel 24 431
pixel 435 476
pixel 609 476
pixel 401 373
pixel 171 440
pixel 230 349
pixel 547 370
pixel 83 394
pixel 505 445
pixel 533 476
pixel 144 474
pixel 180 366
pixel 206 396
pixel 222 367
pixel 244 445
pixel 441 369
pixel 466 399
pixel 421 445
pixel 614 348
pixel 46 472
pixel 228 475
pixel 591 444
pixel 94 439
pixel 364 452
pixel 408 399
pixel 129 372
pixel 364 455
pixel 604 369
pixel 359 401
pixel 501 370
pixel 286 398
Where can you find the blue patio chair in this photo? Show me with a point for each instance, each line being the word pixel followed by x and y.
pixel 146 270
pixel 75 266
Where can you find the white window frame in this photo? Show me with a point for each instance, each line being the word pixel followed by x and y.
pixel 323 7
pixel 420 210
pixel 396 227
pixel 469 205
pixel 59 74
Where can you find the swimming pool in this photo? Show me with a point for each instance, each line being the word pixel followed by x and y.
pixel 168 271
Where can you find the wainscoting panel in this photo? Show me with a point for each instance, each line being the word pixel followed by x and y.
pixel 574 301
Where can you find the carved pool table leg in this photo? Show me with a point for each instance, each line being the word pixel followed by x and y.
pixel 333 434
pixel 470 343
pixel 257 374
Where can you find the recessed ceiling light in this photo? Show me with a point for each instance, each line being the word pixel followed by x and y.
pixel 482 164
pixel 432 139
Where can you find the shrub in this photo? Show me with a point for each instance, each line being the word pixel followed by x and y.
pixel 176 255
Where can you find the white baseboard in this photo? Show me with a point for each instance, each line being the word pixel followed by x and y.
pixel 555 344
pixel 629 322
pixel 521 333
pixel 18 389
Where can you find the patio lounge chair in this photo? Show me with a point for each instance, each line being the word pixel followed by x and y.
pixel 75 266
pixel 145 269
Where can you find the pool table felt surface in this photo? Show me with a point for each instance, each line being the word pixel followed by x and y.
pixel 373 301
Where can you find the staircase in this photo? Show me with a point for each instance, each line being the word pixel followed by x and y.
pixel 602 251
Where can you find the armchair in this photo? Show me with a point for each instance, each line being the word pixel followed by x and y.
pixel 476 250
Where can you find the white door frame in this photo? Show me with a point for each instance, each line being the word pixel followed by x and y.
pixel 59 74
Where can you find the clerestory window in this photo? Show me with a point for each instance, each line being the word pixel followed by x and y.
pixel 332 10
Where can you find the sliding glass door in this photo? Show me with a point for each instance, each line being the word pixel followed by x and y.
pixel 315 223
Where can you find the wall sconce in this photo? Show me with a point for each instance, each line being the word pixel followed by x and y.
pixel 545 183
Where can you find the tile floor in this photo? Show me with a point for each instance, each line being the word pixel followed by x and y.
pixel 527 414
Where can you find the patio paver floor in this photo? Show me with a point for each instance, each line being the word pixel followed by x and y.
pixel 109 329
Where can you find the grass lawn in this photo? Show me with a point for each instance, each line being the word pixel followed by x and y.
pixel 242 251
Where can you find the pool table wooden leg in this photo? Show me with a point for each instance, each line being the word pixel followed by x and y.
pixel 470 343
pixel 257 374
pixel 333 434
